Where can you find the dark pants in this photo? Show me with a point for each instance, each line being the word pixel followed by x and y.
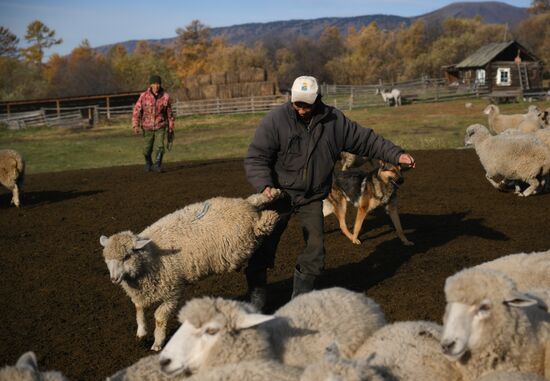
pixel 153 140
pixel 312 259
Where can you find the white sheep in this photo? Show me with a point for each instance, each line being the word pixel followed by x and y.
pixel 335 367
pixel 390 96
pixel 510 157
pixel 311 322
pixel 490 326
pixel 409 351
pixel 217 332
pixel 26 369
pixel 210 237
pixel 511 376
pixel 529 271
pixel 12 173
pixel 499 122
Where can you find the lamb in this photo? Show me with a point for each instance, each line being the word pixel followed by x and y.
pixel 214 331
pixel 409 350
pixel 499 122
pixel 12 173
pixel 26 369
pixel 510 157
pixel 490 326
pixel 390 96
pixel 210 237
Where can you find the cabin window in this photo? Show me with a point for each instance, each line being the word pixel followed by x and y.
pixel 480 77
pixel 503 77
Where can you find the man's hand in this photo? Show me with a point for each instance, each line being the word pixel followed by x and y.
pixel 407 160
pixel 267 193
pixel 136 131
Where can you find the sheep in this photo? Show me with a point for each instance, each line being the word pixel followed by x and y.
pixel 512 157
pixel 214 331
pixel 26 369
pixel 528 271
pixel 210 237
pixel 310 322
pixel 335 367
pixel 390 96
pixel 500 122
pixel 409 350
pixel 511 376
pixel 490 326
pixel 12 173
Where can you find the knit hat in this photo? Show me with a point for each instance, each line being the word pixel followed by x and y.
pixel 304 89
pixel 155 79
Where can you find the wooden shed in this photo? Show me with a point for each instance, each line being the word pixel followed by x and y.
pixel 504 69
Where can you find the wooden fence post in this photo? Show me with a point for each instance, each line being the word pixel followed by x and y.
pixel 252 104
pixel 351 99
pixel 58 106
pixel 108 101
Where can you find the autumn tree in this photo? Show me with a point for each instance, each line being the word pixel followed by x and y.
pixel 539 6
pixel 8 43
pixel 40 37
pixel 192 45
pixel 534 34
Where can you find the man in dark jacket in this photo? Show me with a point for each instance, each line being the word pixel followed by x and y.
pixel 294 149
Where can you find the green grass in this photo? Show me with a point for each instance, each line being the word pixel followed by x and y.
pixel 417 126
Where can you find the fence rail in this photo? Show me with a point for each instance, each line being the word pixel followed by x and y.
pixel 346 97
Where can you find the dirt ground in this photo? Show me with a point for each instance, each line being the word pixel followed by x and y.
pixel 56 298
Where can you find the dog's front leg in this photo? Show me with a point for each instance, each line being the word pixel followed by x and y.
pixel 359 218
pixel 391 208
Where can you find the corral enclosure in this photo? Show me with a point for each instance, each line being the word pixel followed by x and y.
pixel 56 297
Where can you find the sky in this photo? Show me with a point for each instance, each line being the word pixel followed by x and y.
pixel 105 22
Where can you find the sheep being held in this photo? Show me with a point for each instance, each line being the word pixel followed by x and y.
pixel 26 369
pixel 510 157
pixel 210 237
pixel 12 173
pixel 490 326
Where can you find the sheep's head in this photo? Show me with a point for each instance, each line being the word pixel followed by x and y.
pixel 210 326
pixel 491 110
pixel 475 133
pixel 124 255
pixel 480 304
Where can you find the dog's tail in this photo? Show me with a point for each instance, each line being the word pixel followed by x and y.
pixel 328 208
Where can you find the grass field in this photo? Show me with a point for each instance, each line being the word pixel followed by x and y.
pixel 414 127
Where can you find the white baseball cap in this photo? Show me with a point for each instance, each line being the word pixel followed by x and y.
pixel 304 89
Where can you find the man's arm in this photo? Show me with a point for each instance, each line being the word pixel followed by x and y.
pixel 136 115
pixel 260 156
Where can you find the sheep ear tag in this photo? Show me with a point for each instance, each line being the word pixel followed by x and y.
pixel 103 240
pixel 521 301
pixel 252 320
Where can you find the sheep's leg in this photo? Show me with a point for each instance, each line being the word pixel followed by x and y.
pixel 162 314
pixel 141 324
pixel 260 199
pixel 493 182
pixel 391 208
pixel 532 189
pixel 15 195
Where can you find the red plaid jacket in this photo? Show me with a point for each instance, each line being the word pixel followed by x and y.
pixel 153 114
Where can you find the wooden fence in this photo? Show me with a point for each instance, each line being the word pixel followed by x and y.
pixel 345 97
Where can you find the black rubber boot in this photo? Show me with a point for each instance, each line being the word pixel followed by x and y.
pixel 148 163
pixel 257 291
pixel 302 283
pixel 158 164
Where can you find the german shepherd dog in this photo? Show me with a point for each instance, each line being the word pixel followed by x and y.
pixel 366 191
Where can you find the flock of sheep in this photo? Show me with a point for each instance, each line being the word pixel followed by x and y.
pixel 514 150
pixel 496 325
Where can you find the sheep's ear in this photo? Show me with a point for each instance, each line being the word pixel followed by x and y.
pixel 140 244
pixel 103 240
pixel 27 361
pixel 252 320
pixel 521 301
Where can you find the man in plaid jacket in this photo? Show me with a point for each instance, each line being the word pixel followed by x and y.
pixel 153 114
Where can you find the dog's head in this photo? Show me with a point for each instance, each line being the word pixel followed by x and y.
pixel 390 173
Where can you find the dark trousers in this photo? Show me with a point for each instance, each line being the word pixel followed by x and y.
pixel 310 262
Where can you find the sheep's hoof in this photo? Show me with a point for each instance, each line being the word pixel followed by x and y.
pixel 276 193
pixel 156 347
pixel 408 243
